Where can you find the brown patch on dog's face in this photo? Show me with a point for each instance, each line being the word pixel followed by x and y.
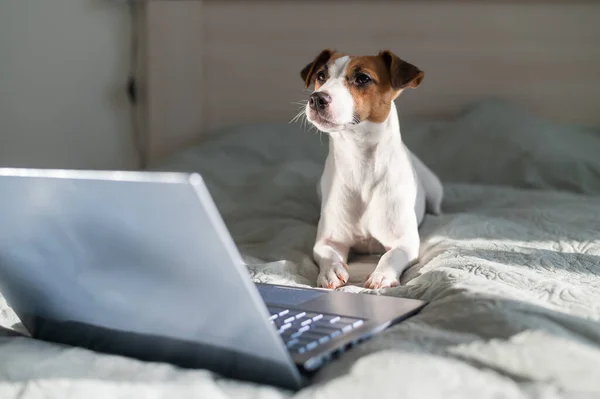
pixel 376 81
pixel 316 72
pixel 369 83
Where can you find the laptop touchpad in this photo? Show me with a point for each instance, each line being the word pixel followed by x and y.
pixel 291 296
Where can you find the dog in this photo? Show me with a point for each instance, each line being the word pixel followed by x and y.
pixel 374 192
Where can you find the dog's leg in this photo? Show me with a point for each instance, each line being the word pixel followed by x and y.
pixel 391 265
pixel 332 258
pixel 402 253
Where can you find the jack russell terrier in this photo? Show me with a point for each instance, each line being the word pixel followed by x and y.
pixel 374 192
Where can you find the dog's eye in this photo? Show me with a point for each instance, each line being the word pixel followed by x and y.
pixel 362 79
pixel 321 76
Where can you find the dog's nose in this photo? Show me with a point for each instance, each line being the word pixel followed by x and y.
pixel 319 100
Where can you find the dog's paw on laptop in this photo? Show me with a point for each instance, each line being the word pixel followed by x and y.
pixel 382 280
pixel 333 276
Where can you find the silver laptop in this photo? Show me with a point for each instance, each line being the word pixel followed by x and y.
pixel 141 264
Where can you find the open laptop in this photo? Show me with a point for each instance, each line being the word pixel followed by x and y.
pixel 141 264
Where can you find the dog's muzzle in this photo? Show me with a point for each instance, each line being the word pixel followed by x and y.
pixel 319 101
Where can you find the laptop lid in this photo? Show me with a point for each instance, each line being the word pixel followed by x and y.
pixel 135 263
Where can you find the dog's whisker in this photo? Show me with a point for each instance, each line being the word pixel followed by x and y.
pixel 300 118
pixel 307 127
pixel 295 118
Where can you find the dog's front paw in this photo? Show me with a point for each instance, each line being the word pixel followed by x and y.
pixel 382 280
pixel 333 276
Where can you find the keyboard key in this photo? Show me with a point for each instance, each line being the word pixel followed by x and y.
pixel 317 317
pixel 304 328
pixel 346 320
pixel 335 334
pixel 284 327
pixel 292 343
pixel 278 311
pixel 357 323
pixel 324 339
pixel 300 332
pixel 312 345
pixel 306 322
pixel 300 315
pixel 289 319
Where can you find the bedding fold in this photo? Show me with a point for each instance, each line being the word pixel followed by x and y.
pixel 511 270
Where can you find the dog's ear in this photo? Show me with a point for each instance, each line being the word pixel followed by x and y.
pixel 402 73
pixel 308 71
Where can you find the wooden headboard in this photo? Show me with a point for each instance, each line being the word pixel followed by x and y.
pixel 215 63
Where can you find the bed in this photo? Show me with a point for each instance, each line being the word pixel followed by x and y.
pixel 511 268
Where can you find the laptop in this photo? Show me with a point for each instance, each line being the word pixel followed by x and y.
pixel 141 264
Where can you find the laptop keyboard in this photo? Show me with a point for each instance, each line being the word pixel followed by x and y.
pixel 304 331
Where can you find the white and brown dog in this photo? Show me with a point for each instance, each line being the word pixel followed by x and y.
pixel 374 192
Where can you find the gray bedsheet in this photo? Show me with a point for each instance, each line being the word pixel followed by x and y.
pixel 512 273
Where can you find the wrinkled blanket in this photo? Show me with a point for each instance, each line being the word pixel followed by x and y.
pixel 511 269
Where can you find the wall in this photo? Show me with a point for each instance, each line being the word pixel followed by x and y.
pixel 541 54
pixel 62 68
pixel 217 63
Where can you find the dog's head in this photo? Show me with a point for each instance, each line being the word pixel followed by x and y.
pixel 349 90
